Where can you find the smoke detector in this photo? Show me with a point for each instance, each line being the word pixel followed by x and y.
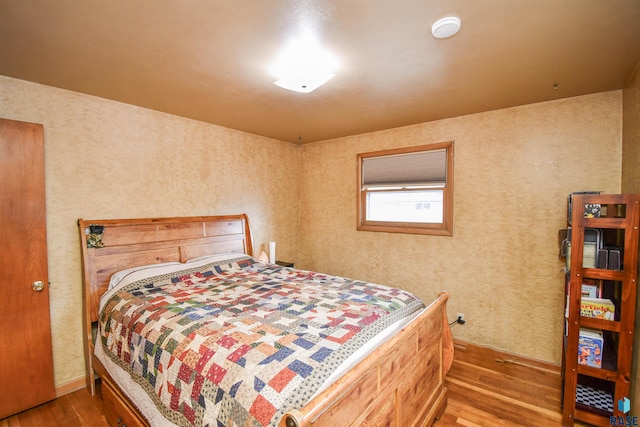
pixel 446 27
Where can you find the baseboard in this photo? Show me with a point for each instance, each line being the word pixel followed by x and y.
pixel 70 386
pixel 466 350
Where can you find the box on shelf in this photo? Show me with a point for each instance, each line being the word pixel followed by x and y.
pixel 590 347
pixel 597 308
pixel 591 289
pixel 610 258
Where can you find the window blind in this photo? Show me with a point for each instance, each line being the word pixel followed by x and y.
pixel 422 168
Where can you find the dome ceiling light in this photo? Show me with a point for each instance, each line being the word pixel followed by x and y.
pixel 304 66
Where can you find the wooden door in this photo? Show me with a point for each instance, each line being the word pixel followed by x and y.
pixel 26 361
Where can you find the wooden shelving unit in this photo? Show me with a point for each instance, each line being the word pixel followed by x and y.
pixel 591 394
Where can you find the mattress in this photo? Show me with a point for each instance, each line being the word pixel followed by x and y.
pixel 228 340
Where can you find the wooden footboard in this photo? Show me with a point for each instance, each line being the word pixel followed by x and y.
pixel 400 384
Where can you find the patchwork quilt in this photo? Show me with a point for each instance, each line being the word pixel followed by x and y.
pixel 240 342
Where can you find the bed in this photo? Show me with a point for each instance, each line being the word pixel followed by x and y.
pixel 398 381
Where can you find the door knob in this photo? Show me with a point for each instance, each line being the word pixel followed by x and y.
pixel 38 285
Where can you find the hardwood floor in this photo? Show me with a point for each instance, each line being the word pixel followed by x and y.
pixel 77 409
pixel 486 389
pixel 493 389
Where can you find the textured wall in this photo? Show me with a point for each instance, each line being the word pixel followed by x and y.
pixel 513 171
pixel 631 135
pixel 631 184
pixel 105 159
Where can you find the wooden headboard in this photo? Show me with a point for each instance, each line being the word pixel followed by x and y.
pixel 133 242
pixel 126 243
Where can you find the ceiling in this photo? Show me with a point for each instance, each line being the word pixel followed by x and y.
pixel 209 60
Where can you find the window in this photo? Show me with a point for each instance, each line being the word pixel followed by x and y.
pixel 407 190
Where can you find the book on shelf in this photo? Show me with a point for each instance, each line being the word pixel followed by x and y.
pixel 590 347
pixel 591 288
pixel 597 308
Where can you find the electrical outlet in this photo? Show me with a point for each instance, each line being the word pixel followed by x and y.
pixel 460 318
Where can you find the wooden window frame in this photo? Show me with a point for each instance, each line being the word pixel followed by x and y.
pixel 445 228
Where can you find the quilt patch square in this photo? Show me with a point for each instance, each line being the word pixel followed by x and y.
pixel 262 410
pixel 281 379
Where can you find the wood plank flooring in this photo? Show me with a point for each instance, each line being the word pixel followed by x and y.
pixel 487 388
pixel 77 409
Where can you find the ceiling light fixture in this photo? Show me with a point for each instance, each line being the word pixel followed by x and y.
pixel 304 66
pixel 446 27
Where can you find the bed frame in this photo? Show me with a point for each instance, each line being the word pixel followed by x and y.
pixel 401 383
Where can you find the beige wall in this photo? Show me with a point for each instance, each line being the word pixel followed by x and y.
pixel 105 159
pixel 513 171
pixel 631 135
pixel 631 184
